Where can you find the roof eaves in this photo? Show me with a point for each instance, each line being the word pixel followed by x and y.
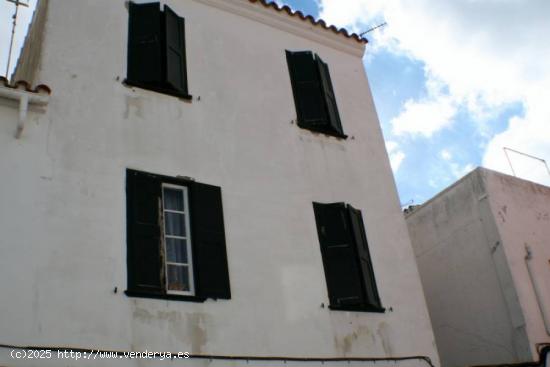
pixel 26 86
pixel 311 19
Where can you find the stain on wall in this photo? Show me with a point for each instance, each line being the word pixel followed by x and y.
pixel 360 336
pixel 189 329
pixel 133 104
pixel 384 334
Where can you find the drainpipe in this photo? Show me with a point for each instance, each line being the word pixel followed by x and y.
pixel 537 288
pixel 24 98
pixel 23 107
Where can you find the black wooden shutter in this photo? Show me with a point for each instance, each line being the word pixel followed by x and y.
pixel 342 271
pixel 358 229
pixel 208 239
pixel 145 45
pixel 307 90
pixel 330 99
pixel 176 76
pixel 143 193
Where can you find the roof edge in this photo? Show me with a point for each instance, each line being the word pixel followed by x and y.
pixel 311 19
pixel 25 85
pixel 295 23
pixel 480 170
pixel 514 178
pixel 444 191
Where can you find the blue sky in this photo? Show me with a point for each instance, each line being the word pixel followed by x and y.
pixel 453 82
pixel 23 19
pixel 448 108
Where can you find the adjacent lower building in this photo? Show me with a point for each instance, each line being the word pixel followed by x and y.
pixel 483 251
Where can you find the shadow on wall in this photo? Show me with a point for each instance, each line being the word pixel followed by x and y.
pixel 544 359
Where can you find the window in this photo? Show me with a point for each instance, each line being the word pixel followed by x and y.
pixel 313 94
pixel 346 259
pixel 176 239
pixel 156 50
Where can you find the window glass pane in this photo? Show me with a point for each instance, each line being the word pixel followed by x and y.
pixel 173 199
pixel 178 278
pixel 176 250
pixel 174 224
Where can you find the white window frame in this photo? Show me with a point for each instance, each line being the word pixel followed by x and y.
pixel 187 238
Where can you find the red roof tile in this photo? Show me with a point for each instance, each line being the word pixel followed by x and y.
pixel 24 85
pixel 312 20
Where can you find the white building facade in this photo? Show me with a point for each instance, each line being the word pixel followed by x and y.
pixel 172 210
pixel 483 252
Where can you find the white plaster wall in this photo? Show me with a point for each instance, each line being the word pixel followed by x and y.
pixel 63 208
pixel 453 237
pixel 522 214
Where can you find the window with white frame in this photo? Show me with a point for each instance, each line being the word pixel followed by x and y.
pixel 177 240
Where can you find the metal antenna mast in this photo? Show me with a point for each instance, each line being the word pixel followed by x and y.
pixel 17 3
pixel 369 30
pixel 506 149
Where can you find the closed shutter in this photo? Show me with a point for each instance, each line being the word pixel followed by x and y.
pixel 358 229
pixel 144 241
pixel 328 93
pixel 208 238
pixel 342 271
pixel 307 90
pixel 145 45
pixel 176 76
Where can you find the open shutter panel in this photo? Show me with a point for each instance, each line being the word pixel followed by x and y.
pixel 144 45
pixel 360 237
pixel 208 239
pixel 144 240
pixel 306 86
pixel 176 76
pixel 342 271
pixel 328 93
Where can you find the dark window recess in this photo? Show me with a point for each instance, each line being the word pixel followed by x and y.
pixel 348 268
pixel 314 98
pixel 156 50
pixel 159 263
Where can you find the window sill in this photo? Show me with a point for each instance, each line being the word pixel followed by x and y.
pixel 325 132
pixel 363 308
pixel 170 297
pixel 167 91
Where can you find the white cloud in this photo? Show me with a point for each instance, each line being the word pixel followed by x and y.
pixel 396 155
pixel 434 184
pixel 446 155
pixel 530 135
pixel 488 54
pixel 355 15
pixel 424 117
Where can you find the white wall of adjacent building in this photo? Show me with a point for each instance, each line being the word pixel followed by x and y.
pixel 522 215
pixel 63 212
pixel 470 241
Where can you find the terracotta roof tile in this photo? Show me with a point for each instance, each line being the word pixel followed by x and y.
pixel 24 85
pixel 312 20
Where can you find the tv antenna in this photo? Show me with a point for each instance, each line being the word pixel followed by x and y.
pixel 17 3
pixel 370 29
pixel 506 149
